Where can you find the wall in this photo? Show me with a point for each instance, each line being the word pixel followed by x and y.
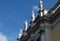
pixel 56 31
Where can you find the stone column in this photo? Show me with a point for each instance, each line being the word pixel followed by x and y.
pixel 43 36
pixel 48 34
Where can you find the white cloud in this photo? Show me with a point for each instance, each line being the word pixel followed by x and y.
pixel 3 37
pixel 35 8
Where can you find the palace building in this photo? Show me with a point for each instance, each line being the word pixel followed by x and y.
pixel 44 27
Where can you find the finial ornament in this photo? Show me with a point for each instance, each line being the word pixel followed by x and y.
pixel 20 33
pixel 33 16
pixel 25 25
pixel 41 8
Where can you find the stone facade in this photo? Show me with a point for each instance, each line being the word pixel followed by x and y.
pixel 46 28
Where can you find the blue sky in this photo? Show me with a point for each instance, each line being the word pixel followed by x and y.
pixel 14 12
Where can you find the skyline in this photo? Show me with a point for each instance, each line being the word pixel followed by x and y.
pixel 14 12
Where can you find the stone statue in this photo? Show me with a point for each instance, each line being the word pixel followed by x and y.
pixel 25 25
pixel 33 16
pixel 20 33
